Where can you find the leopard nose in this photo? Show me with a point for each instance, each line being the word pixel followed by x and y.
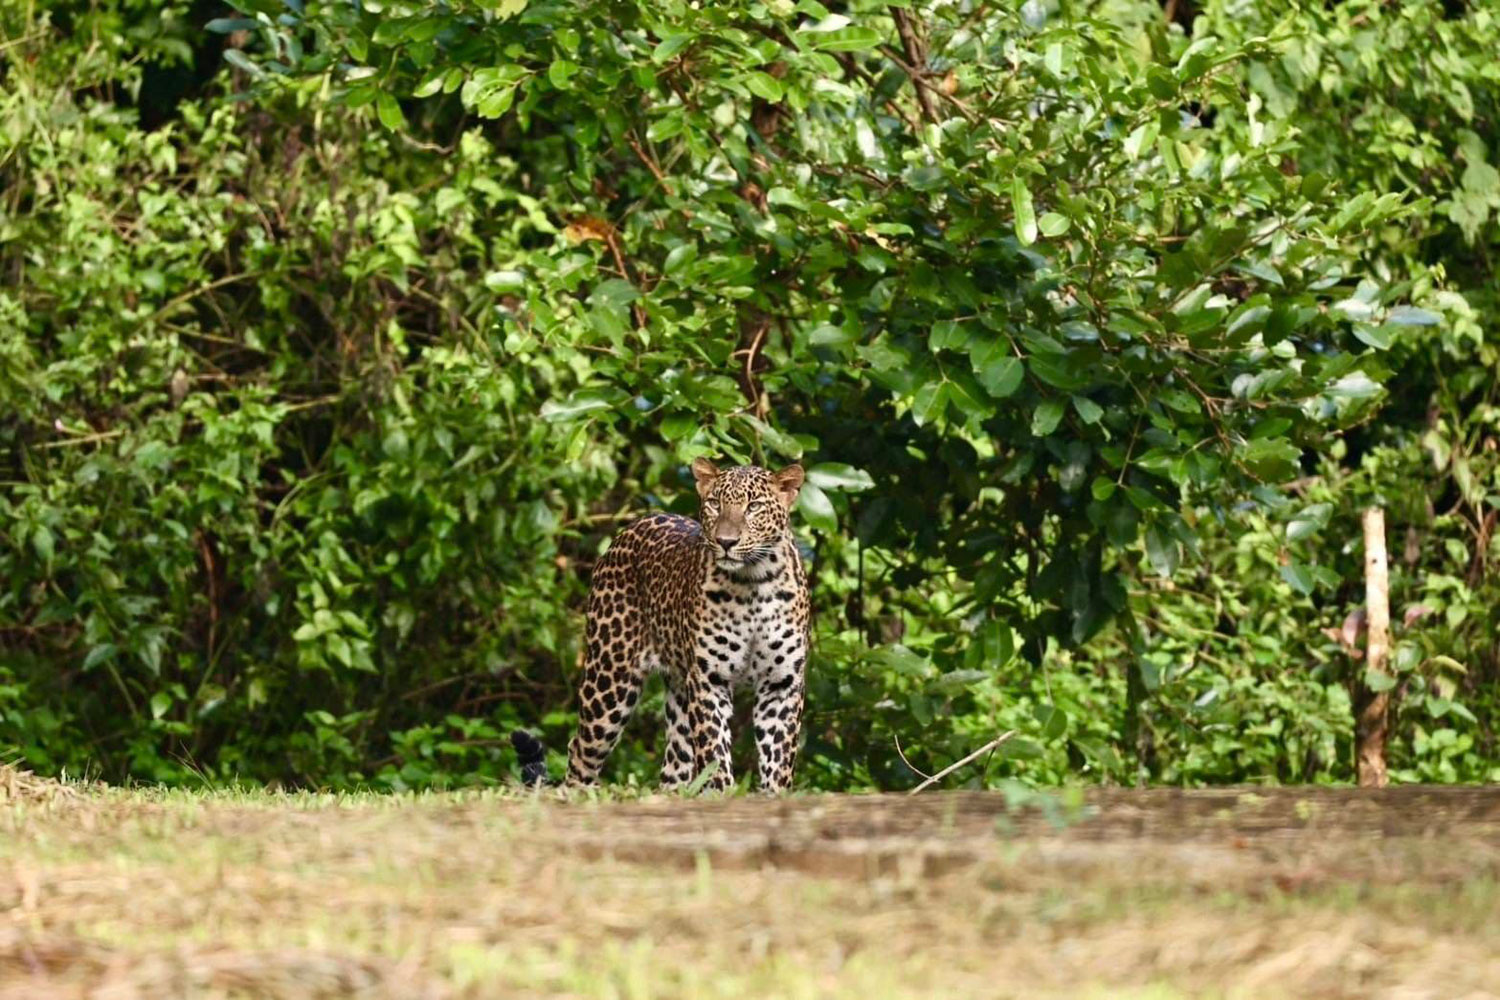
pixel 726 543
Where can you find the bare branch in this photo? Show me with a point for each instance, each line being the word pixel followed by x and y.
pixel 992 744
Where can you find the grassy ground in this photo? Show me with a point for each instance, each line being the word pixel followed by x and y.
pixel 154 894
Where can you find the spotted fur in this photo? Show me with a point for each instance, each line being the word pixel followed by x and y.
pixel 715 605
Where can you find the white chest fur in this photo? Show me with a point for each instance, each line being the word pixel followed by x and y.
pixel 750 627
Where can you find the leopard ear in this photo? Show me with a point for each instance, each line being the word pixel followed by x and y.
pixel 706 473
pixel 788 481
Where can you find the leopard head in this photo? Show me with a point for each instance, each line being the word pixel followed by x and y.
pixel 746 510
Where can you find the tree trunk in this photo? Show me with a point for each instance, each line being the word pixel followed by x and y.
pixel 1371 722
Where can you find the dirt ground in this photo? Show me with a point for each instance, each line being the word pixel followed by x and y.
pixel 1113 893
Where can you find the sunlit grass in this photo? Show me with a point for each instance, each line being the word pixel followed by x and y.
pixel 527 893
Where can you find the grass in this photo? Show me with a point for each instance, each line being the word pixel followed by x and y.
pixel 148 893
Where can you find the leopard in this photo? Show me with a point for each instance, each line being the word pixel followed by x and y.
pixel 717 604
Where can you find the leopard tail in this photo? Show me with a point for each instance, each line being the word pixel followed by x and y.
pixel 532 757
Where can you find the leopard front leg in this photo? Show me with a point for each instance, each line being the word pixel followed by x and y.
pixel 779 690
pixel 709 693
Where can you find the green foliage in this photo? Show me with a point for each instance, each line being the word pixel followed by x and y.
pixel 321 390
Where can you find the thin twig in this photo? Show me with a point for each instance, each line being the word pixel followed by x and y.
pixel 650 163
pixel 21 39
pixel 85 439
pixel 191 293
pixel 854 69
pixel 614 248
pixel 751 354
pixel 955 766
pixel 902 754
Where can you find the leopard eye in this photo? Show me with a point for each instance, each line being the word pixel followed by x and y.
pixel 753 506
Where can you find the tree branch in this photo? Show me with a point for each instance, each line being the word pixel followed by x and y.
pixel 916 62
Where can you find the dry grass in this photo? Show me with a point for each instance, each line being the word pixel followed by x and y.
pixel 21 786
pixel 146 895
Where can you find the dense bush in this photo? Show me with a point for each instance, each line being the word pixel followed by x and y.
pixel 336 340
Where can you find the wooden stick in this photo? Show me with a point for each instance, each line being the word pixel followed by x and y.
pixel 992 744
pixel 1372 722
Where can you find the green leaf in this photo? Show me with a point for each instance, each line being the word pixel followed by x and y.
pixel 42 542
pixel 1052 58
pixel 786 197
pixel 1020 749
pixel 1162 550
pixel 161 701
pixel 1002 377
pixel 583 402
pixel 679 257
pixel 240 61
pixel 929 402
pixel 1098 752
pixel 1020 199
pixel 226 25
pixel 1300 577
pixel 700 781
pixel 998 371
pixel 1053 721
pixel 1089 411
pixel 389 112
pixel 1161 83
pixel 1179 400
pixel 679 425
pixel 1053 224
pixel 431 83
pixel 1308 521
pixel 1103 488
pixel 670 46
pixel 1046 417
pixel 615 291
pixel 1412 316
pixel 667 126
pixel 496 103
pixel 391 30
pixel 947 334
pixel 817 509
pixel 853 39
pixel 99 654
pixel 1376 337
pixel 921 708
pixel 560 74
pixel 828 334
pixel 838 476
pixel 153 455
pixel 902 660
pixel 505 281
pixel 1142 138
pixel 764 86
pixel 395 443
pixel 1271 459
pixel 1058 371
pixel 778 440
pixel 1377 681
pixel 997 644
